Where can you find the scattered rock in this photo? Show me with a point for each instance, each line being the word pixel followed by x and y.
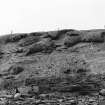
pixel 29 41
pixel 72 40
pixel 14 70
pixel 102 92
pixel 15 37
pixel 17 95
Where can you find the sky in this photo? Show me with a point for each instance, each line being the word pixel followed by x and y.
pixel 19 16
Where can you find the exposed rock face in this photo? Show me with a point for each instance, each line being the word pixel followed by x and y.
pixel 49 58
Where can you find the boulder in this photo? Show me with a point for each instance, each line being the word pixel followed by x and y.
pixel 102 92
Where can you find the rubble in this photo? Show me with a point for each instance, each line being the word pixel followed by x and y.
pixel 71 100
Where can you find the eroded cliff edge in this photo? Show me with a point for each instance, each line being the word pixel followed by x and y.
pixel 54 60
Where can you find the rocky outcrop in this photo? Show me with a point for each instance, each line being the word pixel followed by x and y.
pixel 53 60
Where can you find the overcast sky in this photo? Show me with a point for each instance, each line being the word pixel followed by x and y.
pixel 43 15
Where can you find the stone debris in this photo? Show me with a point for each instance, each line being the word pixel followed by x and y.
pixel 102 92
pixel 3 101
pixel 17 95
pixel 72 100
